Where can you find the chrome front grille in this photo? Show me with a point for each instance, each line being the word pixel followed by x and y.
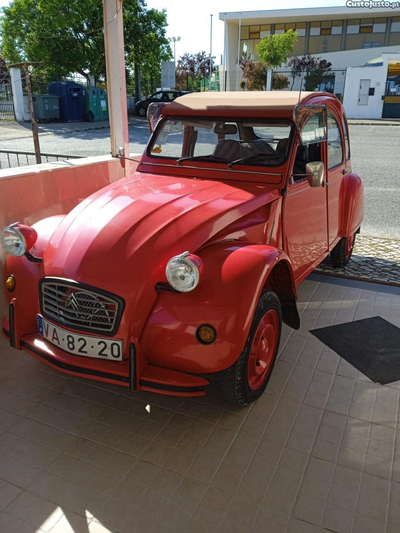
pixel 80 308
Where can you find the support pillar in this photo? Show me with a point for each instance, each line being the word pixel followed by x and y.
pixel 268 86
pixel 18 97
pixel 116 83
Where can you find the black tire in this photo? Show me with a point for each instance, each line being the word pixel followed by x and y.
pixel 341 254
pixel 234 380
pixel 142 112
pixel 90 116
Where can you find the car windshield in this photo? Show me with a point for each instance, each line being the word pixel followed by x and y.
pixel 249 142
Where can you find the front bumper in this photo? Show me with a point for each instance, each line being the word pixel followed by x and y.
pixel 134 372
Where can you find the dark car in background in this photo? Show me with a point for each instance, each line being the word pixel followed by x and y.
pixel 159 96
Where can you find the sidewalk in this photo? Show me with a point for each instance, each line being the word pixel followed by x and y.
pixel 18 130
pixel 317 453
pixel 374 259
pixel 374 121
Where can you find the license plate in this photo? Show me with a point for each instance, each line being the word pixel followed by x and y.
pixel 77 344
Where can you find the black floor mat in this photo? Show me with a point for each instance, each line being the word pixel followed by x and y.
pixel 371 345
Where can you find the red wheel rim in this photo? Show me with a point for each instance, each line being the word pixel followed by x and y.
pixel 349 245
pixel 263 348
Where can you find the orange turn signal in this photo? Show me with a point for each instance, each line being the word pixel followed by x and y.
pixel 206 334
pixel 10 283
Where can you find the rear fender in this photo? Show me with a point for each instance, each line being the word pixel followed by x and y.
pixel 352 204
pixel 234 276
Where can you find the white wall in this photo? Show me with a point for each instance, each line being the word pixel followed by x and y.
pixel 377 77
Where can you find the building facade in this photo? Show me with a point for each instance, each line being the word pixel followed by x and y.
pixel 344 36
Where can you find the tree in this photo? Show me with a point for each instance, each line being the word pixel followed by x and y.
pixel 279 81
pixel 4 73
pixel 314 69
pixel 274 49
pixel 194 68
pixel 68 37
pixel 145 43
pixel 255 73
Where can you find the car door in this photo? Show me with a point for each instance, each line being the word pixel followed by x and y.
pixel 336 165
pixel 305 219
pixel 156 97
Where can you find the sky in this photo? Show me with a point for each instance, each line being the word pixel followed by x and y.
pixel 190 20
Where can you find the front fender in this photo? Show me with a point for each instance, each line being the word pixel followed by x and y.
pixel 352 204
pixel 27 275
pixel 226 298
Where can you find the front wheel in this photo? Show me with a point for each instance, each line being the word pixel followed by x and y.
pixel 142 112
pixel 342 252
pixel 247 379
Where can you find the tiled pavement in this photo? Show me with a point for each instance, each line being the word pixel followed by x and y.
pixel 319 452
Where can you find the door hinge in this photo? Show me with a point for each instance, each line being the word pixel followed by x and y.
pixel 325 183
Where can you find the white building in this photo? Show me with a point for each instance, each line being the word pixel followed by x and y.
pixel 347 37
pixel 373 90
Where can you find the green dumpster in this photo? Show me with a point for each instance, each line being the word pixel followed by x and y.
pixel 46 106
pixel 96 108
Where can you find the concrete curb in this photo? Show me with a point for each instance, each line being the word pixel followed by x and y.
pixel 356 278
pixel 372 123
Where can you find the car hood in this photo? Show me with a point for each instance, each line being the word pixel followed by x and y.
pixel 122 236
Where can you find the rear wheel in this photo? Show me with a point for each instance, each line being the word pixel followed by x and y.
pixel 247 379
pixel 142 112
pixel 342 252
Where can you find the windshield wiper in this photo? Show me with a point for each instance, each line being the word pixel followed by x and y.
pixel 251 158
pixel 199 157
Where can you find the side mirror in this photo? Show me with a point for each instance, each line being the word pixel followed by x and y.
pixel 154 113
pixel 315 173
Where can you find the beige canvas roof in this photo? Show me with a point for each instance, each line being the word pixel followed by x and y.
pixel 229 102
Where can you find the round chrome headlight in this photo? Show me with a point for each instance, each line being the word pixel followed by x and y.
pixel 13 241
pixel 184 271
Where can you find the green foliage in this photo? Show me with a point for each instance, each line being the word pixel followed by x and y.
pixel 146 45
pixel 4 74
pixel 255 73
pixel 274 49
pixel 68 36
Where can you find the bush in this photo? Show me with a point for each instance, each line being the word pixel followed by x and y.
pixel 279 82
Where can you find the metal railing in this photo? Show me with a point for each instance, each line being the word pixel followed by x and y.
pixel 6 102
pixel 13 158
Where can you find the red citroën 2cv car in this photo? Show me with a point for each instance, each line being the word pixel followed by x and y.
pixel 188 267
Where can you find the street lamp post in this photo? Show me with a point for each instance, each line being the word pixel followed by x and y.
pixel 209 85
pixel 174 40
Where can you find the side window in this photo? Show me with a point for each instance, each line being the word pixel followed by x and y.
pixel 335 146
pixel 157 96
pixel 346 138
